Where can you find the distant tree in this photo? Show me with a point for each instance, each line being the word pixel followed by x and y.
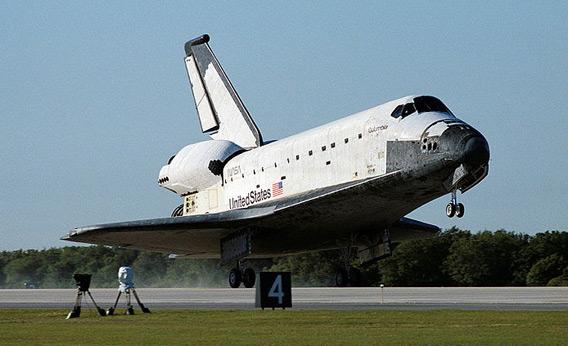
pixel 311 269
pixel 4 260
pixel 548 268
pixel 421 262
pixel 542 245
pixel 150 268
pixel 561 280
pixel 60 272
pixel 453 257
pixel 28 268
pixel 485 259
pixel 416 263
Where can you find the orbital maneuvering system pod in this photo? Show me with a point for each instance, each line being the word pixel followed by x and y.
pixel 126 280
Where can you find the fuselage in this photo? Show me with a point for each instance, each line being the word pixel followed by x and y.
pixel 358 147
pixel 348 183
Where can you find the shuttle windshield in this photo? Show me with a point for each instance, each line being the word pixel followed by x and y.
pixel 421 104
pixel 430 104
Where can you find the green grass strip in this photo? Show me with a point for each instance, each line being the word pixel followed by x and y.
pixel 295 327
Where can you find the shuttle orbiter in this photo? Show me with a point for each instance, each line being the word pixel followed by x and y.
pixel 344 185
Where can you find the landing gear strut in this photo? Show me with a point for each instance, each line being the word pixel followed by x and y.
pixel 347 274
pixel 454 208
pixel 341 277
pixel 238 276
pixel 351 276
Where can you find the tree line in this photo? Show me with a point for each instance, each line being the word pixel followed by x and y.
pixel 453 257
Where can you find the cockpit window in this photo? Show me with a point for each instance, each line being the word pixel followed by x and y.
pixel 408 109
pixel 421 104
pixel 397 112
pixel 403 110
pixel 430 104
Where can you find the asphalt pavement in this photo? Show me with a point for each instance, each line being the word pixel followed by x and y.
pixel 355 298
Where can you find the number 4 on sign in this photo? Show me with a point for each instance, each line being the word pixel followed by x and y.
pixel 276 289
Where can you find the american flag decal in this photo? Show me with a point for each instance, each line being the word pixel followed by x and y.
pixel 277 188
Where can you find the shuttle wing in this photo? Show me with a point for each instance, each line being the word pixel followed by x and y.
pixel 196 235
pixel 221 111
pixel 312 221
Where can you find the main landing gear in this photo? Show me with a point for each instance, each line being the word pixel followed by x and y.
pixel 454 208
pixel 345 273
pixel 237 276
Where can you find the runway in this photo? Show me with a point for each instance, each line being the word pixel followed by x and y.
pixel 393 298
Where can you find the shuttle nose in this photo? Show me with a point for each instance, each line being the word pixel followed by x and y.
pixel 476 151
pixel 465 145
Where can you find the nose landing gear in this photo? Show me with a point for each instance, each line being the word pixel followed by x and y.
pixel 454 208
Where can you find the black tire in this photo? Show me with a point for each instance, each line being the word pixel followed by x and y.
pixel 450 210
pixel 341 278
pixel 249 278
pixel 355 277
pixel 235 278
pixel 460 210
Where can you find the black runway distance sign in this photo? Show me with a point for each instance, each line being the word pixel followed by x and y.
pixel 274 290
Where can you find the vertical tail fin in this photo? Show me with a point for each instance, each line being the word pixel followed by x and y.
pixel 221 111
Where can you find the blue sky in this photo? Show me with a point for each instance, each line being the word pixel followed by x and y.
pixel 94 97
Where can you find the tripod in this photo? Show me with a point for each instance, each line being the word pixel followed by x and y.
pixel 129 309
pixel 83 282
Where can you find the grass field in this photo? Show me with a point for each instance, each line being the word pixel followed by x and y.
pixel 202 327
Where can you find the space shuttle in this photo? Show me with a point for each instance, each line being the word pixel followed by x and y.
pixel 344 185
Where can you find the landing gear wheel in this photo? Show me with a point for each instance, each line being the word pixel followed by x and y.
pixel 460 210
pixel 355 277
pixel 249 277
pixel 235 278
pixel 341 278
pixel 451 209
